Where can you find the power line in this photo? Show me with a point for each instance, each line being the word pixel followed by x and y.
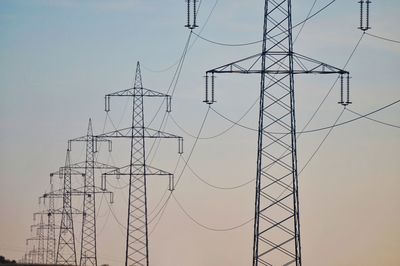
pixel 255 102
pixel 352 120
pixel 209 227
pixel 280 195
pixel 371 119
pixel 259 41
pixel 383 38
pixel 214 186
pixel 321 143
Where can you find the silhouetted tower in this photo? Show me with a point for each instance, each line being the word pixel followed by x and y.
pixel 276 221
pixel 32 255
pixel 137 232
pixel 51 229
pixel 39 239
pixel 67 247
pixel 88 254
pixel 66 253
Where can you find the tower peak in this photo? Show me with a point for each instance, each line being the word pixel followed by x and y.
pixel 138 77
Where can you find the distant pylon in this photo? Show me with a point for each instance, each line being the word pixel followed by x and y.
pixel 51 230
pixel 88 254
pixel 277 221
pixel 39 238
pixel 66 253
pixel 137 252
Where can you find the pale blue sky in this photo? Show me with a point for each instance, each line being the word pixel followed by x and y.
pixel 59 58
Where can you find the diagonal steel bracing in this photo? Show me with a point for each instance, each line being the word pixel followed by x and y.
pixel 276 218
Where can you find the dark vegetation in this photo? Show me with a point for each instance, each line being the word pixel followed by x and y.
pixel 4 261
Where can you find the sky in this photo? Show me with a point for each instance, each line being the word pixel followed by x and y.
pixel 59 58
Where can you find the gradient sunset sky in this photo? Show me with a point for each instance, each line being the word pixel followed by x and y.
pixel 58 58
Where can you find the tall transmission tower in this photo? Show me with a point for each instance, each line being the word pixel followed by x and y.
pixel 276 219
pixel 66 253
pixel 137 242
pixel 88 254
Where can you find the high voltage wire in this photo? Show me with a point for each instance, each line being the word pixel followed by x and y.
pixel 208 227
pixel 175 81
pixel 259 41
pixel 256 101
pixel 354 119
pixel 309 160
pixel 371 119
pixel 198 136
pixel 179 68
pixel 360 116
pixel 214 186
pixel 383 38
pixel 322 142
pixel 184 167
pixel 248 221
pixel 317 109
pixel 190 47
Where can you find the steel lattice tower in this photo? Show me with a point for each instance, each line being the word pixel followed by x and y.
pixel 66 253
pixel 88 248
pixel 51 230
pixel 276 220
pixel 39 238
pixel 137 252
pixel 88 254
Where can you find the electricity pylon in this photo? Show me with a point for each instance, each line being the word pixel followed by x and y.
pixel 66 253
pixel 39 238
pixel 46 254
pixel 51 227
pixel 51 230
pixel 276 219
pixel 88 254
pixel 137 252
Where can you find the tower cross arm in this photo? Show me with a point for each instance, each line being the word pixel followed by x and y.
pixel 149 170
pixel 62 170
pixel 93 138
pixel 133 92
pixel 301 65
pixel 96 165
pixel 148 133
